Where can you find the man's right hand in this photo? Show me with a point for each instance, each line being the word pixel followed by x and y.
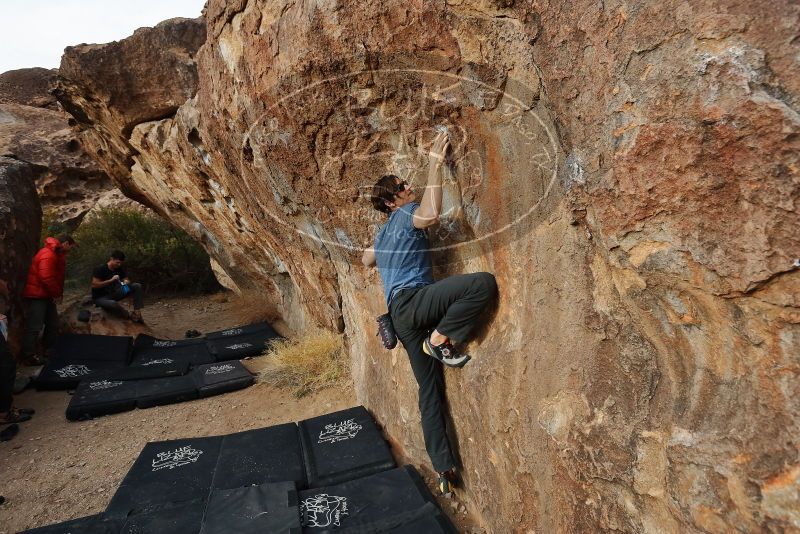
pixel 115 278
pixel 439 148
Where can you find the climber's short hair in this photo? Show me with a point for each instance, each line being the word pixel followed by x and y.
pixel 118 255
pixel 384 191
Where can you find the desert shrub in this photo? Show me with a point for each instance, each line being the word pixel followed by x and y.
pixel 51 227
pixel 307 364
pixel 160 256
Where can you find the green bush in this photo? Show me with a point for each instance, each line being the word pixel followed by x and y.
pixel 161 257
pixel 51 226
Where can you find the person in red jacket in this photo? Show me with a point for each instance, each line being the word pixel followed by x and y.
pixel 45 284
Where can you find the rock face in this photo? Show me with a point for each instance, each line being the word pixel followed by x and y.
pixel 111 88
pixel 629 171
pixel 29 87
pixel 33 128
pixel 20 221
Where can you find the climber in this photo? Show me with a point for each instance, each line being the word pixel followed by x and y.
pixel 45 284
pixel 429 317
pixel 110 284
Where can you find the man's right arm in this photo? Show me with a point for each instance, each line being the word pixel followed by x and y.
pixel 97 283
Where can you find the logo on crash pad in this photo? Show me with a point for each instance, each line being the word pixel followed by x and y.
pixel 172 459
pixel 104 384
pixel 231 332
pixel 162 361
pixel 219 369
pixel 72 371
pixel 323 510
pixel 339 431
pixel 163 343
pixel 237 346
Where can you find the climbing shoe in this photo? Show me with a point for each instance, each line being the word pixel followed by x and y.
pixel 446 482
pixel 445 353
pixel 386 331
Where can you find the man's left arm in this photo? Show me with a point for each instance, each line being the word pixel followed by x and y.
pixel 368 258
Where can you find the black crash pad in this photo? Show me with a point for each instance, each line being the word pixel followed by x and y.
pixel 240 342
pixel 342 446
pixel 160 391
pixel 93 347
pixel 242 330
pixel 172 518
pixel 271 454
pixel 148 350
pixel 67 374
pixel 167 471
pixel 96 397
pixel 216 378
pixel 78 356
pixel 93 524
pixel 376 503
pixel 156 369
pixel 258 509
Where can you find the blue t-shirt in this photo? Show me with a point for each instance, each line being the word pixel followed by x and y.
pixel 402 253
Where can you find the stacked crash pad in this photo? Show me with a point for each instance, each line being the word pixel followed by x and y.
pixel 113 374
pixel 79 356
pixel 156 385
pixel 268 480
pixel 240 342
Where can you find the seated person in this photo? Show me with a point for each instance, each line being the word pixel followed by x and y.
pixel 110 284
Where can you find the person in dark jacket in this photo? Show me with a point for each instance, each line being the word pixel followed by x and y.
pixel 110 284
pixel 45 284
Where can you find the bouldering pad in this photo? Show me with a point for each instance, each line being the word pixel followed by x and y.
pixel 217 378
pixel 271 454
pixel 96 397
pixel 167 471
pixel 257 509
pixel 160 391
pixel 342 446
pixel 376 503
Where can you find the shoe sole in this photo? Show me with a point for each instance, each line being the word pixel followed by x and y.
pixel 429 350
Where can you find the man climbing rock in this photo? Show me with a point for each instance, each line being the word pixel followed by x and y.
pixel 45 284
pixel 430 317
pixel 110 284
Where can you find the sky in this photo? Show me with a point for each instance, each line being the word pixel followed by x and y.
pixel 35 32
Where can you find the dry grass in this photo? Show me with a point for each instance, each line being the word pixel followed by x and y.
pixel 307 364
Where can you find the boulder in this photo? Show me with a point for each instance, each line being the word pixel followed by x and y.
pixel 33 128
pixel 629 172
pixel 20 223
pixel 111 88
pixel 29 87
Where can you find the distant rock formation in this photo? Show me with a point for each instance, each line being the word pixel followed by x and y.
pixel 109 89
pixel 20 222
pixel 34 128
pixel 29 87
pixel 629 171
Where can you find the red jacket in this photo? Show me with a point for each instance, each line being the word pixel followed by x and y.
pixel 46 275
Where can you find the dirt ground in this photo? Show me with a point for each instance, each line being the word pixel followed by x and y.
pixel 56 470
